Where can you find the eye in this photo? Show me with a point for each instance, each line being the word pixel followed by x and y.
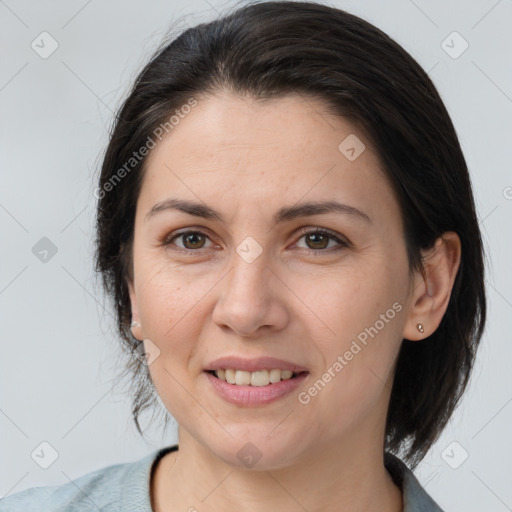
pixel 192 240
pixel 318 239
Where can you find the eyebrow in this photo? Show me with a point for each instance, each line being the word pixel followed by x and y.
pixel 284 214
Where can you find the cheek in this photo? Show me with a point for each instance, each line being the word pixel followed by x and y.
pixel 353 299
pixel 167 294
pixel 170 305
pixel 357 364
pixel 364 314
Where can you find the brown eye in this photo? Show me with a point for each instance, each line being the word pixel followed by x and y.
pixel 191 240
pixel 195 239
pixel 318 240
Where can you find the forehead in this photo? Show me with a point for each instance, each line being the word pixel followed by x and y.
pixel 260 153
pixel 292 125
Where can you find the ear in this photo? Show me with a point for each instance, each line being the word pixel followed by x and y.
pixel 432 288
pixel 136 329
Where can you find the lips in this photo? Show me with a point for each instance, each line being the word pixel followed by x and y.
pixel 254 396
pixel 253 365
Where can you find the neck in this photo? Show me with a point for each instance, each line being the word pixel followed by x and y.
pixel 349 475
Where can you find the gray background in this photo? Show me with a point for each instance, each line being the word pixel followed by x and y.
pixel 59 352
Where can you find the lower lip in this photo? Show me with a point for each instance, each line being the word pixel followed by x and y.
pixel 254 395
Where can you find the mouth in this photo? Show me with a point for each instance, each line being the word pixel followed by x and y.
pixel 254 389
pixel 259 378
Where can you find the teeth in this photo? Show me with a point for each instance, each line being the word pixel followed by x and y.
pixel 274 375
pixel 242 378
pixel 230 376
pixel 258 378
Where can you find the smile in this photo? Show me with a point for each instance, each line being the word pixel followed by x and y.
pixel 254 388
pixel 257 378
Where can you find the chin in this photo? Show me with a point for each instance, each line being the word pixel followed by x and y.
pixel 256 451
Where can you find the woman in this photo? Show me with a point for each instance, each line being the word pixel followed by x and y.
pixel 287 229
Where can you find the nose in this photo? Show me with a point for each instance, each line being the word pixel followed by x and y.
pixel 252 299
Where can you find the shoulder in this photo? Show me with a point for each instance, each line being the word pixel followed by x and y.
pixel 120 487
pixel 415 498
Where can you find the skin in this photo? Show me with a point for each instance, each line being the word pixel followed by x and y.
pixel 246 160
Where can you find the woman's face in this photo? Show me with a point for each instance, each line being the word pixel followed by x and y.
pixel 248 285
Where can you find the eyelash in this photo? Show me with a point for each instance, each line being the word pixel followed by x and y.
pixel 304 232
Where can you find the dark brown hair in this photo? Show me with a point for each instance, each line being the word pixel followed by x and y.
pixel 270 49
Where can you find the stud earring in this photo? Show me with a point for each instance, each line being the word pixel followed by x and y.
pixel 420 327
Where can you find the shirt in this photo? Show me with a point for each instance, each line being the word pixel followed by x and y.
pixel 126 488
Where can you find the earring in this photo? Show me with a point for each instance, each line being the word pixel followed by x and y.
pixel 135 324
pixel 420 327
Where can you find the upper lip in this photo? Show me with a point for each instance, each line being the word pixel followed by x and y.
pixel 252 365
